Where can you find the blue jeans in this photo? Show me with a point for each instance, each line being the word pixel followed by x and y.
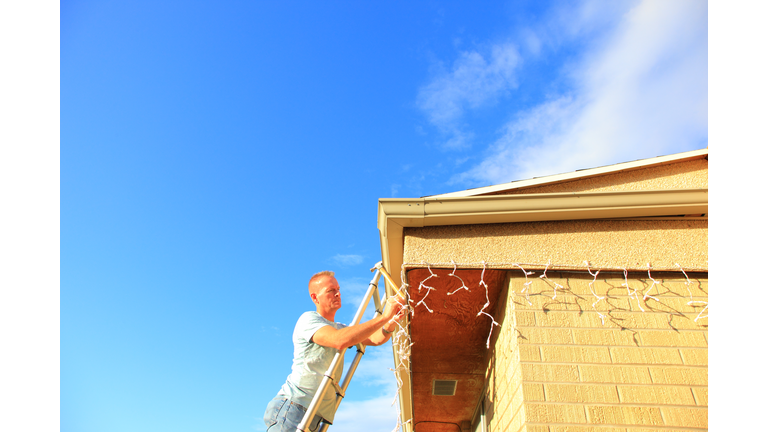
pixel 283 415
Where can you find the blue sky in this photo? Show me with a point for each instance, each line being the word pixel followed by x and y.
pixel 214 155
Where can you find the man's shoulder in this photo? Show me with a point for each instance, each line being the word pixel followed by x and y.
pixel 312 318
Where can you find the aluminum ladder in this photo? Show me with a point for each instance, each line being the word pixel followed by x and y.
pixel 328 381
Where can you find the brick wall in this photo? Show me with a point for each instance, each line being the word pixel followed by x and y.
pixel 557 365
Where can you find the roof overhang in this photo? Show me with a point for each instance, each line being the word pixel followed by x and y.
pixel 397 214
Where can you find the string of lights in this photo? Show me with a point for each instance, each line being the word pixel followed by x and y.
pixel 402 341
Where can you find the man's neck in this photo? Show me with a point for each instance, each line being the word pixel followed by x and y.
pixel 327 314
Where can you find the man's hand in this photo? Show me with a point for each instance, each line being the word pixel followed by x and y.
pixel 393 309
pixel 367 333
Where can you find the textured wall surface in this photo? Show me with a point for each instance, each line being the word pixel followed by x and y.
pixel 578 352
pixel 630 244
pixel 683 175
pixel 621 363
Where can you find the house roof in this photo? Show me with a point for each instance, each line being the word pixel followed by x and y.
pixel 507 203
pixel 578 174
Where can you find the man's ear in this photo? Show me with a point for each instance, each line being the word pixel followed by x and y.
pixel 313 296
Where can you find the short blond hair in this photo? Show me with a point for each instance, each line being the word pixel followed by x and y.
pixel 318 275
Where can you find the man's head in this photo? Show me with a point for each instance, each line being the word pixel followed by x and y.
pixel 325 293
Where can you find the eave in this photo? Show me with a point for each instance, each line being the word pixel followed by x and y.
pixel 397 214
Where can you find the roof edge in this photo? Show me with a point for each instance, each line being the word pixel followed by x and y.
pixel 579 174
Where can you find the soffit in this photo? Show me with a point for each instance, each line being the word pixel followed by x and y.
pixel 449 342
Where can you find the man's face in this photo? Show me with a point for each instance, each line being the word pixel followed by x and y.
pixel 327 293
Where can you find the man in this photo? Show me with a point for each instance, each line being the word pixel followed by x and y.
pixel 316 339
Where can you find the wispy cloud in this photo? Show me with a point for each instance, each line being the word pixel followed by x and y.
pixel 641 91
pixel 475 79
pixel 347 260
pixel 371 394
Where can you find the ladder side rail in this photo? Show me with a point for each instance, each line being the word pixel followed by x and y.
pixel 352 367
pixel 373 291
pixel 320 394
pixel 345 383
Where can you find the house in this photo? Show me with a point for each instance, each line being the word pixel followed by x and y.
pixel 571 302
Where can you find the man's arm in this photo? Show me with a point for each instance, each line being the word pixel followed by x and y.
pixel 368 333
pixel 382 335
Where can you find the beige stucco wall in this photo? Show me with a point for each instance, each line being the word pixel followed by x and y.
pixel 682 175
pixel 556 365
pixel 631 244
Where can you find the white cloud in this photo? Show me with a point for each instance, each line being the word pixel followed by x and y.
pixel 474 80
pixel 371 415
pixel 369 402
pixel 347 260
pixel 641 92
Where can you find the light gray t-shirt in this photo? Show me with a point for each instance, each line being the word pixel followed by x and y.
pixel 310 362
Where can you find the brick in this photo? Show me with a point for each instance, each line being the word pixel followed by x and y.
pixel 550 373
pixel 624 415
pixel 523 318
pixel 554 413
pixel 670 287
pixel 636 355
pixel 656 429
pixel 612 286
pixel 603 336
pixel 538 301
pixel 679 375
pixel 529 353
pixel 517 398
pixel 509 375
pixel 614 374
pixel 669 304
pixel 575 354
pixel 656 395
pixel 590 428
pixel 653 320
pixel 683 338
pixel 534 428
pixel 581 393
pixel 696 357
pixel 566 319
pixel 688 417
pixel 514 420
pixel 533 392
pixel 532 335
pixel 702 395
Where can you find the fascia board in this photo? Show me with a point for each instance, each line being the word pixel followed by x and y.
pixel 394 215
pixel 580 174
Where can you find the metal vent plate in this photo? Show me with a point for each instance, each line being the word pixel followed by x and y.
pixel 443 387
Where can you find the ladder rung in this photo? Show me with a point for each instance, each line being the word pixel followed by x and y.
pixel 336 386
